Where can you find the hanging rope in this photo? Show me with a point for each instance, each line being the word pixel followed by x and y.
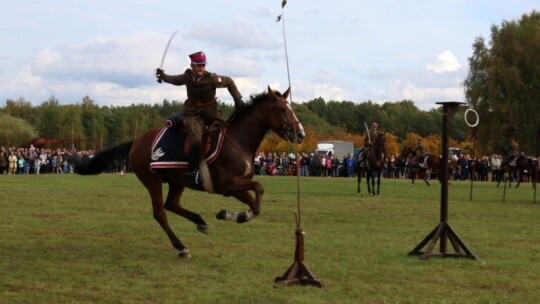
pixel 298 212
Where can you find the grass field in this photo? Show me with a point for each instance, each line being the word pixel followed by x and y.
pixel 75 239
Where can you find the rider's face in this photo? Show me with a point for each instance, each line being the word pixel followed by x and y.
pixel 198 68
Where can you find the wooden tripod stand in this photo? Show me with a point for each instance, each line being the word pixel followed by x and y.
pixel 298 273
pixel 444 231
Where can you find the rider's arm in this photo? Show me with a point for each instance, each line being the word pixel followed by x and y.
pixel 176 79
pixel 227 82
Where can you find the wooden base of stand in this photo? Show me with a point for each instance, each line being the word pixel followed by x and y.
pixel 442 233
pixel 298 273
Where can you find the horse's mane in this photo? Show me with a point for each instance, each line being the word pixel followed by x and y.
pixel 254 100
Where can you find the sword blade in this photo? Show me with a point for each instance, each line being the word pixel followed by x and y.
pixel 165 50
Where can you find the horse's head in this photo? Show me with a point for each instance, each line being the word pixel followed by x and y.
pixel 280 117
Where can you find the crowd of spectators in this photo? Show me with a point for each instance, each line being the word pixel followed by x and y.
pixel 462 167
pixel 33 160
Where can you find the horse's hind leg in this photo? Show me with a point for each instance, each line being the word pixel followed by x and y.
pixel 173 204
pixel 153 185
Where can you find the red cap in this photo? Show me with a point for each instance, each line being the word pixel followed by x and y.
pixel 198 58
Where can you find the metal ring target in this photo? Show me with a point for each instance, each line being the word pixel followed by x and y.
pixel 477 118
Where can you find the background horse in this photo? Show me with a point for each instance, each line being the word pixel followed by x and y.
pixel 429 164
pixel 231 172
pixel 374 159
pixel 523 166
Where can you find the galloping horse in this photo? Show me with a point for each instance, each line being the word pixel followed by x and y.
pixel 231 172
pixel 421 164
pixel 375 157
pixel 523 165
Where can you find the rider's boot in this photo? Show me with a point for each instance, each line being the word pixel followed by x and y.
pixel 194 159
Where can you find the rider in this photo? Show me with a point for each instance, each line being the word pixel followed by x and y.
pixel 514 151
pixel 200 108
pixel 373 133
pixel 422 151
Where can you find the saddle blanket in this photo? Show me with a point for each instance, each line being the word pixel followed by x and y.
pixel 168 149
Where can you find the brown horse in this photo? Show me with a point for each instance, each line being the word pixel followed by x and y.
pixel 231 172
pixel 429 164
pixel 375 157
pixel 523 165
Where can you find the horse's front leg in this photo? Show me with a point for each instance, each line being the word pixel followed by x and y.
pixel 240 192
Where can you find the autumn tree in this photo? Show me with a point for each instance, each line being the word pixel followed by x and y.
pixel 503 83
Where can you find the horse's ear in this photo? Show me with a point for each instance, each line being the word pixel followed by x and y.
pixel 270 91
pixel 286 93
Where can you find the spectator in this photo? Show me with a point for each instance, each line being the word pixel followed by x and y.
pixel 350 165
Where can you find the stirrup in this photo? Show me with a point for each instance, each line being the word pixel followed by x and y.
pixel 196 176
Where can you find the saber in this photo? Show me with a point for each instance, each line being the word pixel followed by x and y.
pixel 165 54
pixel 367 130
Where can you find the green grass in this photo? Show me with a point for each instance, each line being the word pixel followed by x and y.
pixel 75 239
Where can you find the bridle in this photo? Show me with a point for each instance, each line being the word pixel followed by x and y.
pixel 284 130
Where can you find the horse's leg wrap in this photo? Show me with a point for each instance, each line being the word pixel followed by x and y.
pixel 226 215
pixel 239 217
pixel 184 254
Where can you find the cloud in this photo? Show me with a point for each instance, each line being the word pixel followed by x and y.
pixel 445 62
pixel 237 33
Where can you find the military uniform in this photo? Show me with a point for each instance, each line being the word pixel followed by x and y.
pixel 368 142
pixel 514 151
pixel 373 134
pixel 200 108
pixel 201 91
pixel 421 149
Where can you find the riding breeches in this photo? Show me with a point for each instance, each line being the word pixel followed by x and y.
pixel 194 128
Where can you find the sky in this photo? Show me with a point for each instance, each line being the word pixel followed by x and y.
pixel 354 50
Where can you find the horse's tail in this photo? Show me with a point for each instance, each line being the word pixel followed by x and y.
pixel 103 160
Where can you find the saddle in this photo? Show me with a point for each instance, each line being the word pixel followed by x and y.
pixel 421 161
pixel 513 162
pixel 176 121
pixel 171 146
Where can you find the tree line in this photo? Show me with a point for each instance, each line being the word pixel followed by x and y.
pixel 90 126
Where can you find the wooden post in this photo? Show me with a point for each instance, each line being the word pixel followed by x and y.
pixel 444 232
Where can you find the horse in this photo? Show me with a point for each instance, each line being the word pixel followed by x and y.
pixel 523 165
pixel 231 172
pixel 423 164
pixel 374 160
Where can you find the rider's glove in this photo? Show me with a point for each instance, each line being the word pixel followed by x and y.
pixel 159 74
pixel 239 103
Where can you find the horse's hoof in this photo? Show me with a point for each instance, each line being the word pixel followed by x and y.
pixel 184 254
pixel 222 214
pixel 203 228
pixel 242 218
